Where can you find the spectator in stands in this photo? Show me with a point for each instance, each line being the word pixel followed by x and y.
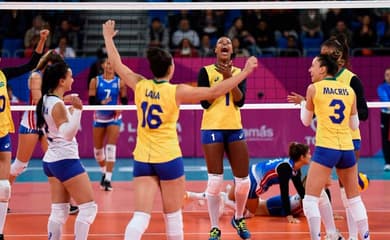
pixel 293 49
pixel 32 33
pixel 310 21
pixel 158 35
pixel 64 49
pixel 238 51
pixel 65 29
pixel 332 18
pixel 265 37
pixel 385 39
pixel 285 22
pixel 365 36
pixel 246 39
pixel 186 49
pixel 384 96
pixel 342 28
pixel 174 20
pixel 13 27
pixel 185 31
pixel 210 24
pixel 206 49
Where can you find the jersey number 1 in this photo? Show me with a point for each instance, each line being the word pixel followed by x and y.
pixel 2 103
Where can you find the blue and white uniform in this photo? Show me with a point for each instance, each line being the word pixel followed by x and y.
pixel 61 159
pixel 106 88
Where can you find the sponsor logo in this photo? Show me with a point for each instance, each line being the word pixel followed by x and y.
pixel 262 133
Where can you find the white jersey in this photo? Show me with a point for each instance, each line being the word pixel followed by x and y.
pixel 59 148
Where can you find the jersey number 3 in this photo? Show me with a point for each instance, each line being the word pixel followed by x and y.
pixel 339 108
pixel 150 115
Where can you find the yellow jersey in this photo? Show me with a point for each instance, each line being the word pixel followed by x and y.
pixel 222 114
pixel 333 103
pixel 157 114
pixel 345 77
pixel 6 123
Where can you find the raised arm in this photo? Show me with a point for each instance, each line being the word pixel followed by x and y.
pixel 126 74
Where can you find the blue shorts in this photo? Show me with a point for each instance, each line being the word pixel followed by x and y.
pixel 24 130
pixel 334 158
pixel 164 171
pixel 5 144
pixel 222 136
pixel 64 169
pixel 275 206
pixel 116 122
pixel 357 144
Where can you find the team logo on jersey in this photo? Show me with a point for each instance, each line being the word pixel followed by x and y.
pixel 2 84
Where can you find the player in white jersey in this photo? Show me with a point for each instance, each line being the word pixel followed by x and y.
pixel 28 131
pixel 61 164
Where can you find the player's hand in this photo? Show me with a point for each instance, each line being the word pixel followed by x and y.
pixel 292 219
pixel 225 69
pixel 106 100
pixel 43 34
pixel 251 64
pixel 109 29
pixel 76 102
pixel 295 98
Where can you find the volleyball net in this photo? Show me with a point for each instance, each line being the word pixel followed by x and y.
pixel 272 31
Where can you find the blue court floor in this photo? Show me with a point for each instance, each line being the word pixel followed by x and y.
pixel 195 169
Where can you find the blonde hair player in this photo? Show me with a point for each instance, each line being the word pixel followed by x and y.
pixel 158 163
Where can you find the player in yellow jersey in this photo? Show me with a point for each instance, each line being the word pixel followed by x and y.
pixel 337 48
pixel 7 125
pixel 334 105
pixel 222 132
pixel 158 163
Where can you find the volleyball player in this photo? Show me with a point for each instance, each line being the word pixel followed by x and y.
pixel 337 48
pixel 28 132
pixel 106 89
pixel 7 125
pixel 334 104
pixel 158 163
pixel 61 162
pixel 222 132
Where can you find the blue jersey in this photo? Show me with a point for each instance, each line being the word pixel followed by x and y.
pixel 105 89
pixel 264 174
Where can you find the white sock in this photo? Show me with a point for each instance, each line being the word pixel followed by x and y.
pixel 359 214
pixel 313 216
pixel 137 226
pixel 326 213
pixel 352 227
pixel 241 195
pixel 108 176
pixel 3 214
pixel 213 206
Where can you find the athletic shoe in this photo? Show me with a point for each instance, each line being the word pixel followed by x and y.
pixel 334 236
pixel 215 234
pixel 107 186
pixel 240 226
pixel 73 209
pixel 102 181
pixel 387 167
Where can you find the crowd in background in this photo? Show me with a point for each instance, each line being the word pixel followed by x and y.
pixel 184 33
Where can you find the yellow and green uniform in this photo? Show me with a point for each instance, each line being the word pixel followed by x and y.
pixel 332 106
pixel 157 114
pixel 223 113
pixel 6 123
